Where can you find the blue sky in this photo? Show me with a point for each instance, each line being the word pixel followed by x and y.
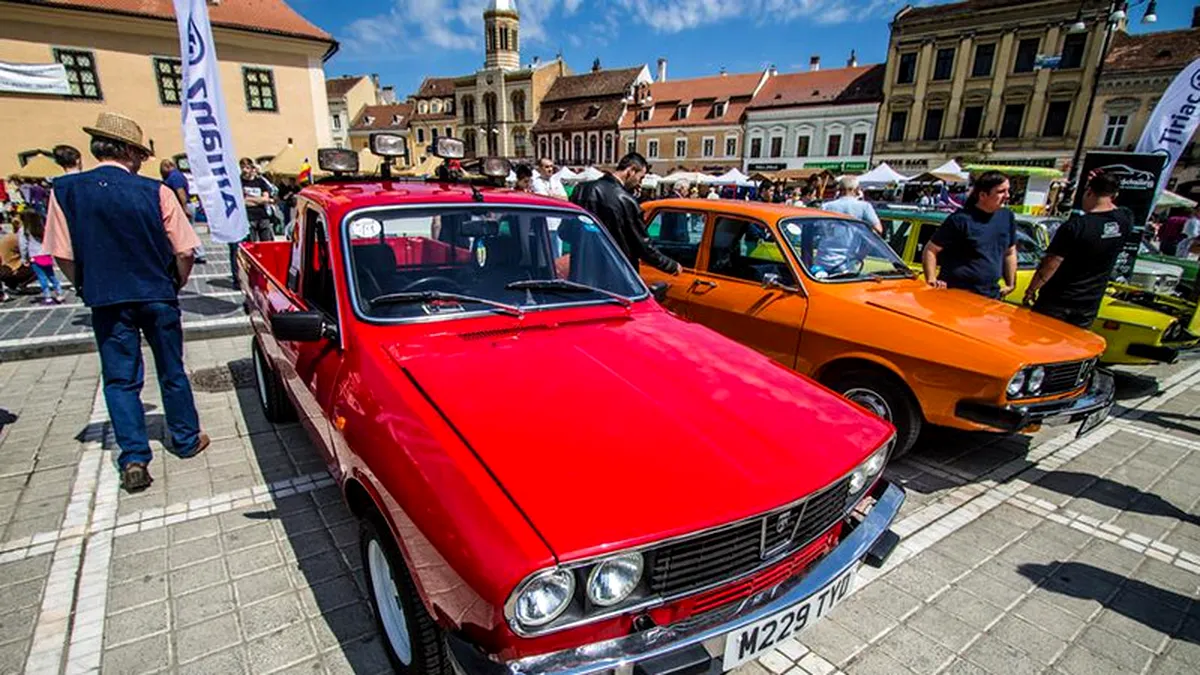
pixel 406 40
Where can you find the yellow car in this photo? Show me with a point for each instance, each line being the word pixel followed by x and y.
pixel 1140 327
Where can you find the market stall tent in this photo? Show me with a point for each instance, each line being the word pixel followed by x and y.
pixel 39 166
pixel 566 175
pixel 952 168
pixel 590 173
pixel 651 181
pixel 290 160
pixel 731 177
pixel 1035 180
pixel 692 177
pixel 1170 200
pixel 881 175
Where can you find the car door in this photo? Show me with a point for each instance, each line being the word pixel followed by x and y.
pixel 678 234
pixel 733 294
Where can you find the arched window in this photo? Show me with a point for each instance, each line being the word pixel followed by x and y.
pixel 468 109
pixel 469 142
pixel 519 149
pixel 577 158
pixel 514 40
pixel 493 141
pixel 518 106
pixel 489 107
pixel 608 148
pixel 593 149
pixel 543 151
pixel 422 107
pixel 558 148
pixel 435 106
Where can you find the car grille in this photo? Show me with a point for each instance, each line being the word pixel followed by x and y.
pixel 712 558
pixel 1063 377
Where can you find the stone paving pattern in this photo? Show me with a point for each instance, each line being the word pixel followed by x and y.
pixel 1025 554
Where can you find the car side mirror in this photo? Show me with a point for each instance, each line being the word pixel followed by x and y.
pixel 659 290
pixel 302 327
pixel 772 280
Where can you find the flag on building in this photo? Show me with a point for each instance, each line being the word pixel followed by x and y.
pixel 1174 120
pixel 206 135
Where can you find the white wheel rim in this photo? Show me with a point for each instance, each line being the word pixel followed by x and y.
pixel 261 373
pixel 387 600
pixel 871 401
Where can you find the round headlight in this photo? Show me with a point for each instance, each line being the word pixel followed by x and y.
pixel 614 579
pixel 544 598
pixel 858 479
pixel 1017 383
pixel 875 462
pixel 1036 377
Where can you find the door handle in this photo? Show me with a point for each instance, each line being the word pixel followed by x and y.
pixel 701 282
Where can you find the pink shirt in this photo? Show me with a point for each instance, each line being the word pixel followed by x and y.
pixel 57 241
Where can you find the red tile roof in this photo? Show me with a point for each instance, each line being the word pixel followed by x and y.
pixel 383 117
pixel 581 114
pixel 1165 50
pixel 593 84
pixel 970 6
pixel 338 87
pixel 261 16
pixel 837 85
pixel 436 87
pixel 702 94
pixel 719 87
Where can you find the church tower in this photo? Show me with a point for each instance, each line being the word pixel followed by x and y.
pixel 500 24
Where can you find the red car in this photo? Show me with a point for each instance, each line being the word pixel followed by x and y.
pixel 553 473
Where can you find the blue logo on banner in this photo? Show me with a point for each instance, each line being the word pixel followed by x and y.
pixel 196 47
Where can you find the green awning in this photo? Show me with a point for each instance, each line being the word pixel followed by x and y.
pixel 1039 171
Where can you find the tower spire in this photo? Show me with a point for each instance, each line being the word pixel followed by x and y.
pixel 501 26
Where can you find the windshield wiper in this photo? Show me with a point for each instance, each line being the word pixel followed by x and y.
pixel 427 296
pixel 567 286
pixel 851 275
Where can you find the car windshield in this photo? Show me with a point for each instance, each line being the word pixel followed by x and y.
pixel 1029 251
pixel 837 249
pixel 412 263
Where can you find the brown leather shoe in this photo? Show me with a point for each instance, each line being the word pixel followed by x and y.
pixel 135 477
pixel 201 445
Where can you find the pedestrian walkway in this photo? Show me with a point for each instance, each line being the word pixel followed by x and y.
pixel 1018 555
pixel 211 305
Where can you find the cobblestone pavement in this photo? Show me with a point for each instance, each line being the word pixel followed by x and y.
pixel 209 302
pixel 1022 554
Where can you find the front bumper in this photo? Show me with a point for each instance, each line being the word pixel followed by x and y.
pixel 1014 417
pixel 702 637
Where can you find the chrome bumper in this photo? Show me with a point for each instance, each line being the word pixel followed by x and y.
pixel 1100 394
pixel 708 630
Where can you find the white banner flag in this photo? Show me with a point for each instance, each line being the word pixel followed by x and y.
pixel 206 134
pixel 1174 120
pixel 34 78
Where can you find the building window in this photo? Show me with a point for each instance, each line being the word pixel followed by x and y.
pixel 1056 119
pixel 469 143
pixel 630 146
pixel 436 106
pixel 709 147
pixel 518 106
pixel 681 112
pixel 543 150
pixel 1010 124
pixel 422 107
pixel 593 149
pixel 833 147
pixel 652 148
pixel 169 77
pixel 984 56
pixel 558 114
pixel 557 149
pixel 577 145
pixel 1072 51
pixel 1027 50
pixel 943 65
pixel 896 126
pixel 802 144
pixel 592 113
pixel 420 135
pixel 858 145
pixel 608 148
pixel 681 147
pixel 756 147
pixel 933 124
pixel 731 146
pixel 1114 130
pixel 81 73
pixel 971 122
pixel 643 115
pixel 719 110
pixel 337 120
pixel 777 146
pixel 489 107
pixel 260 89
pixel 907 72
pixel 519 143
pixel 433 136
pixel 468 109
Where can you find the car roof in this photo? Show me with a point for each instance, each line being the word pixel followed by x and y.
pixel 915 214
pixel 353 193
pixel 751 209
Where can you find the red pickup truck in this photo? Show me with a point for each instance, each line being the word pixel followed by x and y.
pixel 553 473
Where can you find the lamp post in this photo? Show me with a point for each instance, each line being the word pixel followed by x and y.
pixel 638 100
pixel 1117 12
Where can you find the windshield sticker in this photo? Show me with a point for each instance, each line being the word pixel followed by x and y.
pixel 793 229
pixel 365 228
pixel 480 253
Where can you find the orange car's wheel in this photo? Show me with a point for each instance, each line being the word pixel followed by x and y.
pixel 880 393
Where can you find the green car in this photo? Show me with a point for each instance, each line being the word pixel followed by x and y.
pixel 1187 283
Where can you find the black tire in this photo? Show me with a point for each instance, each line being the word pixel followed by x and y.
pixel 277 407
pixel 891 401
pixel 427 653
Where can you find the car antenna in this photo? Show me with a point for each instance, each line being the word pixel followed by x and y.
pixel 475 193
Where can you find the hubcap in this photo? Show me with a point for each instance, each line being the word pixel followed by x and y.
pixel 387 600
pixel 261 374
pixel 871 401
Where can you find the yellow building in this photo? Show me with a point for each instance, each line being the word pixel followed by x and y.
pixel 347 97
pixel 123 56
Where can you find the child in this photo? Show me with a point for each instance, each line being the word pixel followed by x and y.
pixel 32 230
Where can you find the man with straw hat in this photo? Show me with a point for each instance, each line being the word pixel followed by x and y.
pixel 126 243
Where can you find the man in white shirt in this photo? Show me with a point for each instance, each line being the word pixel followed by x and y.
pixel 545 183
pixel 713 194
pixel 850 202
pixel 1191 232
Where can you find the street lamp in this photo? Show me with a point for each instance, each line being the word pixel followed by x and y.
pixel 637 100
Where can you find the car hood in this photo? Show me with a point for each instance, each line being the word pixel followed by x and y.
pixel 615 434
pixel 1027 336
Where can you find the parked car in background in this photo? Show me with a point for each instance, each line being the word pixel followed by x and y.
pixel 1138 326
pixel 1159 276
pixel 1189 270
pixel 527 437
pixel 823 295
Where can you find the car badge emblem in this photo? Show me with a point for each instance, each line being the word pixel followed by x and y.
pixel 781 524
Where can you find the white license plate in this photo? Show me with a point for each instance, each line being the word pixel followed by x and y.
pixel 743 645
pixel 1093 420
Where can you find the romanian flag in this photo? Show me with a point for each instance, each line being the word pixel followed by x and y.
pixel 305 172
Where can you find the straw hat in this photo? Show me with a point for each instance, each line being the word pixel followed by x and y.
pixel 118 128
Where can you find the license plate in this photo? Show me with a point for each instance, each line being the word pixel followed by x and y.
pixel 744 645
pixel 1093 420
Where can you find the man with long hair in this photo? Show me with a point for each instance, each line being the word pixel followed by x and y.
pixel 977 244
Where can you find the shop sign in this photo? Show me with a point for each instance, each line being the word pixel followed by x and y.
pixel 854 166
pixel 766 166
pixel 832 166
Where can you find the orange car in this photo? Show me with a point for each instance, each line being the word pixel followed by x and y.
pixel 824 295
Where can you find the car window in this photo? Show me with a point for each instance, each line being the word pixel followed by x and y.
pixel 840 249
pixel 747 250
pixel 478 253
pixel 923 237
pixel 896 232
pixel 678 235
pixel 317 278
pixel 1029 250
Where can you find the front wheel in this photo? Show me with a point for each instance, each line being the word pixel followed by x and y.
pixel 880 394
pixel 414 641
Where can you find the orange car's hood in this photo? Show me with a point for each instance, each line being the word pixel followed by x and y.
pixel 1028 336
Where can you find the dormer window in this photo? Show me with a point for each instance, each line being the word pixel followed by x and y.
pixel 422 107
pixel 719 110
pixel 559 113
pixel 436 106
pixel 396 120
pixel 644 114
pixel 593 111
pixel 681 112
pixel 368 120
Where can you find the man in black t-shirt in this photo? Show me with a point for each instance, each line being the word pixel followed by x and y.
pixel 1070 282
pixel 976 245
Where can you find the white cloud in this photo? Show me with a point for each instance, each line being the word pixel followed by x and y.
pixel 681 15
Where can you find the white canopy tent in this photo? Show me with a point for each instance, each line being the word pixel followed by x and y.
pixel 952 168
pixel 881 175
pixel 651 181
pixel 566 175
pixel 730 177
pixel 590 173
pixel 692 177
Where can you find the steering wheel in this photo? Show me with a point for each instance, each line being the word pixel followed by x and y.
pixel 419 284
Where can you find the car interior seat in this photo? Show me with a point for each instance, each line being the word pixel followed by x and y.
pixel 375 270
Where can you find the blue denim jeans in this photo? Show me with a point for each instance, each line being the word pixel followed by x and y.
pixel 118 330
pixel 46 279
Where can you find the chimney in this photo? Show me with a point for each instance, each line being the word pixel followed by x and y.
pixel 1196 16
pixel 596 65
pixel 662 70
pixel 388 94
pixel 852 62
pixel 537 61
pixel 814 63
pixel 771 71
